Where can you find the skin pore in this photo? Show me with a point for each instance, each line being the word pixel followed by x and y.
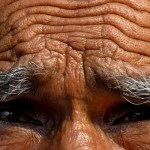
pixel 74 75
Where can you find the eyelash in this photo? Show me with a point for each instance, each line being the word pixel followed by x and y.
pixel 12 116
pixel 138 114
pixel 20 111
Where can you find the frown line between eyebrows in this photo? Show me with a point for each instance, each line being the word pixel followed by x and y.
pixel 18 81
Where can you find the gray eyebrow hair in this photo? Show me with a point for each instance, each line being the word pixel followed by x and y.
pixel 136 90
pixel 17 81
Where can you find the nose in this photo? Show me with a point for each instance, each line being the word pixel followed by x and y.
pixel 79 133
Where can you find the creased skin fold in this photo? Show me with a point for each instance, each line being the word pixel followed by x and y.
pixel 91 34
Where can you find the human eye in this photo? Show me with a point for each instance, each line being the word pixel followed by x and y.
pixel 129 125
pixel 132 115
pixel 128 114
pixel 21 122
pixel 19 113
pixel 17 117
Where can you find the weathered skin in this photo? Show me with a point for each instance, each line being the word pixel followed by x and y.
pixel 71 39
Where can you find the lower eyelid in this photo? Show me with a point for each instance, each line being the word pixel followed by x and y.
pixel 135 136
pixel 17 138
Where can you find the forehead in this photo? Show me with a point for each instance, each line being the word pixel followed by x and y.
pixel 73 39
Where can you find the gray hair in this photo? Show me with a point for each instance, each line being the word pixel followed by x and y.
pixel 134 90
pixel 17 80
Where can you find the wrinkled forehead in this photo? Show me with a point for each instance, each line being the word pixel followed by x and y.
pixel 75 39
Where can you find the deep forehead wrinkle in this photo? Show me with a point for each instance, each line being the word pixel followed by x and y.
pixel 101 29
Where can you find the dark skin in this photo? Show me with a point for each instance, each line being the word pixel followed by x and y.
pixel 76 42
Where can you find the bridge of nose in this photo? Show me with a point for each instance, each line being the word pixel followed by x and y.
pixel 77 132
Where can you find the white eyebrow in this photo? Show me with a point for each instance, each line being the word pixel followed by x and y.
pixel 17 81
pixel 131 87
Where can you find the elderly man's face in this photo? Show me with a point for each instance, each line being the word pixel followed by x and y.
pixel 74 74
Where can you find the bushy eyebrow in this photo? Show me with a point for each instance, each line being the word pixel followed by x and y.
pixel 17 81
pixel 137 88
pixel 134 89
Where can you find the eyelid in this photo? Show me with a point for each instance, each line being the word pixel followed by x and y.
pixel 131 112
pixel 17 116
pixel 116 114
pixel 19 108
